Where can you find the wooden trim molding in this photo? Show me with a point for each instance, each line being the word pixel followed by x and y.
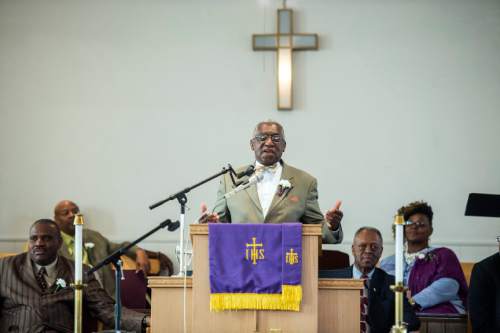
pixel 342 284
pixel 169 282
pixel 307 229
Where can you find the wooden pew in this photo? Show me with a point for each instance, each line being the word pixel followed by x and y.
pixel 442 323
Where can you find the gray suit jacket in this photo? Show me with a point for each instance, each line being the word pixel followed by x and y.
pixel 298 204
pixel 25 308
pixel 102 248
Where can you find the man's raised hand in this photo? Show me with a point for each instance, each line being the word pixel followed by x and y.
pixel 334 216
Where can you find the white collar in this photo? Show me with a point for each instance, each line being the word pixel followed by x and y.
pixel 260 166
pixel 356 273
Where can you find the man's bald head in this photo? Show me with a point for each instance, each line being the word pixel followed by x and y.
pixel 64 214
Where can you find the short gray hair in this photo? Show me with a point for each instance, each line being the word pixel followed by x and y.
pixel 269 122
pixel 372 229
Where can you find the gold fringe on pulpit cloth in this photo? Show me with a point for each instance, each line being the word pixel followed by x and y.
pixel 288 300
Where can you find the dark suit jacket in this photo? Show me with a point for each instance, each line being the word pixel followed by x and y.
pixel 102 248
pixel 298 204
pixel 25 308
pixel 484 295
pixel 380 300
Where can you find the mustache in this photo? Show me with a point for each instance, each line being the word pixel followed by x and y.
pixel 368 256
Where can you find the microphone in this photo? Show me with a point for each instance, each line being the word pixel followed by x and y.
pixel 257 177
pixel 173 226
pixel 248 172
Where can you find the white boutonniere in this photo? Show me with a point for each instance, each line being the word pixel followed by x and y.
pixel 89 245
pixel 283 186
pixel 60 284
pixel 421 256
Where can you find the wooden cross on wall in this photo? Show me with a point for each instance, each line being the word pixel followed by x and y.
pixel 284 42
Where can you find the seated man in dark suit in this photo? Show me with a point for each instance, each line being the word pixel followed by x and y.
pixel 367 249
pixel 35 292
pixel 484 295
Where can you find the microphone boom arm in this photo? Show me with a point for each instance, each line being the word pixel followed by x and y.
pixel 113 257
pixel 182 194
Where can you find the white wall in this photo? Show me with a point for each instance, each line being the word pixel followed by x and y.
pixel 116 104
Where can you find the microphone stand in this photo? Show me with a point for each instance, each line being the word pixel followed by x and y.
pixel 182 199
pixel 114 258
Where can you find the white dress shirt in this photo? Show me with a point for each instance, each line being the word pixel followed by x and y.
pixel 266 188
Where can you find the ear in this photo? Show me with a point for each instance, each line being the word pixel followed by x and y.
pixel 352 250
pixel 251 145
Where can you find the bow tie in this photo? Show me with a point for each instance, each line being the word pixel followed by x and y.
pixel 268 168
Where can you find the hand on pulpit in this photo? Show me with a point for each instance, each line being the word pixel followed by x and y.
pixel 206 216
pixel 334 216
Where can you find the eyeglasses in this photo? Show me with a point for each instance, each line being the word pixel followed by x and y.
pixel 373 247
pixel 261 137
pixel 498 239
pixel 410 224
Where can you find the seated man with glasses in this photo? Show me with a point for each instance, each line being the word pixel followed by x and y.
pixel 484 294
pixel 282 193
pixel 433 275
pixel 377 303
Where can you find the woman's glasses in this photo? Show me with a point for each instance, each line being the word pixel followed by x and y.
pixel 418 224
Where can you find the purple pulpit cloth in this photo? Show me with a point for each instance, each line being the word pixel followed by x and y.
pixel 255 266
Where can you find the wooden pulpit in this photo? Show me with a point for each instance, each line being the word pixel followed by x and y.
pixel 330 305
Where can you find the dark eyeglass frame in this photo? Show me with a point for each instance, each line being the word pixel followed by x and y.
pixel 262 137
